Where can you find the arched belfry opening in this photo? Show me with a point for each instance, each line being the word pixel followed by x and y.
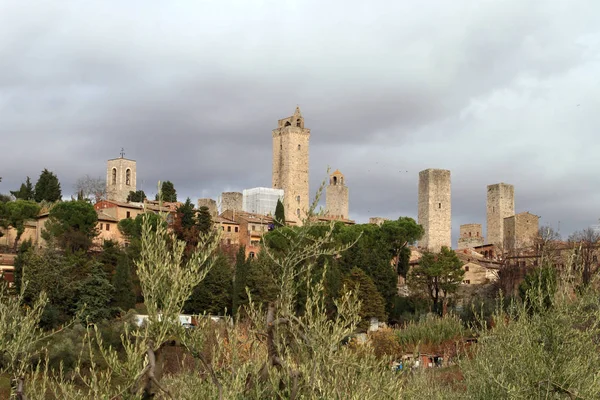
pixel 114 176
pixel 288 123
pixel 335 180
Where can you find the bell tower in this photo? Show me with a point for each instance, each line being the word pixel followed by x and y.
pixel 120 178
pixel 336 196
pixel 290 165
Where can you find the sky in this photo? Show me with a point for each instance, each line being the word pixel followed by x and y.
pixel 494 91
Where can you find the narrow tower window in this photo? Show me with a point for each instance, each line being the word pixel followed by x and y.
pixel 298 147
pixel 439 205
pixel 298 123
pixel 128 177
pixel 298 212
pixel 114 176
pixel 298 199
pixel 335 180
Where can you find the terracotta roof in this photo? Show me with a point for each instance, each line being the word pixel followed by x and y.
pixel 223 220
pixel 105 217
pixel 337 172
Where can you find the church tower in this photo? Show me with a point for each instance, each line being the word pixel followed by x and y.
pixel 120 178
pixel 290 165
pixel 337 196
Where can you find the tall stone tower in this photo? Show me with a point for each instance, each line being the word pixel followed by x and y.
pixel 290 165
pixel 500 205
pixel 120 178
pixel 231 201
pixel 337 196
pixel 471 236
pixel 435 209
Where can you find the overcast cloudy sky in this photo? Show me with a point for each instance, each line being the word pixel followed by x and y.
pixel 495 91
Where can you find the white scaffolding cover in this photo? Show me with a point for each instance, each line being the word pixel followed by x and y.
pixel 261 200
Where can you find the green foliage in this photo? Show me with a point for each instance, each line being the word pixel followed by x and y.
pixel 19 263
pixel 437 275
pixel 132 228
pixel 16 213
pixel 550 354
pixel 25 192
pixel 432 330
pixel 398 235
pixel 372 305
pixel 137 197
pixel 538 288
pixel 185 213
pixel 73 224
pixel 124 295
pixel 242 266
pixel 204 220
pixel 168 192
pixel 213 294
pixel 279 214
pixel 47 187
pixel 94 294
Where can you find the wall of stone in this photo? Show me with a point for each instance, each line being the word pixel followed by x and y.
pixel 120 178
pixel 435 212
pixel 470 242
pixel 290 167
pixel 211 204
pixel 520 231
pixel 500 204
pixel 231 201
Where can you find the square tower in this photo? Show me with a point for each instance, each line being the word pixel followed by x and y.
pixel 336 196
pixel 435 209
pixel 520 231
pixel 470 236
pixel 500 204
pixel 120 178
pixel 290 165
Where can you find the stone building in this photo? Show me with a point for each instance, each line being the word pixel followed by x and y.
pixel 435 209
pixel 520 231
pixel 500 204
pixel 470 236
pixel 231 201
pixel 377 220
pixel 120 178
pixel 290 165
pixel 211 204
pixel 336 196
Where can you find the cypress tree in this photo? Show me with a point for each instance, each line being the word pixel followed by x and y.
pixel 204 220
pixel 240 279
pixel 47 187
pixel 279 214
pixel 124 296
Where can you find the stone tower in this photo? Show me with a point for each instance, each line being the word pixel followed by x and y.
pixel 336 196
pixel 470 236
pixel 500 205
pixel 211 204
pixel 435 209
pixel 120 178
pixel 290 165
pixel 231 201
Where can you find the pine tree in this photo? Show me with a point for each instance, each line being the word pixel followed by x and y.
pixel 25 192
pixel 137 196
pixel 372 302
pixel 279 214
pixel 168 192
pixel 47 187
pixel 213 294
pixel 204 220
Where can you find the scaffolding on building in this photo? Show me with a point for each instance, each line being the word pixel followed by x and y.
pixel 261 200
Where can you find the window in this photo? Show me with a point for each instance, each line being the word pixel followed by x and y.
pixel 298 123
pixel 299 147
pixel 128 214
pixel 288 123
pixel 466 268
pixel 128 177
pixel 467 281
pixel 298 199
pixel 469 234
pixel 222 228
pixel 228 229
pixel 236 228
pixel 298 212
pixel 251 254
pixel 439 205
pixel 108 227
pixel 114 176
pixel 253 227
pixel 335 180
